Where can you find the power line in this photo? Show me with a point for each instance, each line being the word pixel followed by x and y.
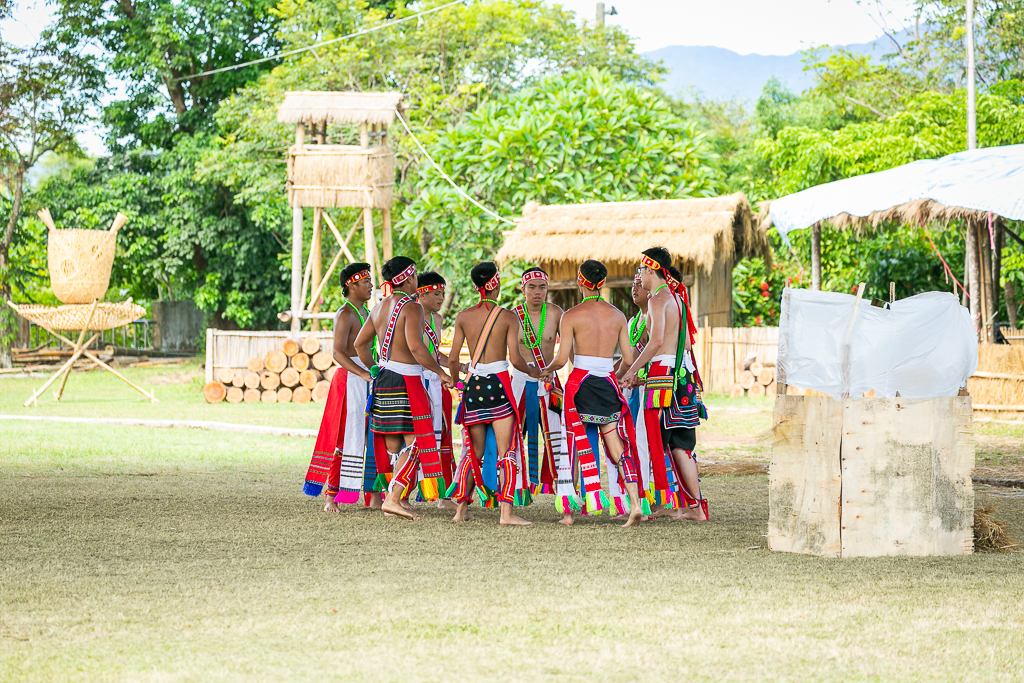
pixel 361 32
pixel 448 178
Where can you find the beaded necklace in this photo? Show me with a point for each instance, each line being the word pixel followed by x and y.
pixel 540 330
pixel 362 319
pixel 663 284
pixel 636 329
pixel 589 298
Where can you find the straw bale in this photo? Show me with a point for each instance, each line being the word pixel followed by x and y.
pixel 698 230
pixel 339 107
pixel 1002 358
pixel 341 175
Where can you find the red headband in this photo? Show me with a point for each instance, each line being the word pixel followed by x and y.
pixel 534 275
pixel 489 285
pixel 650 263
pixel 430 288
pixel 388 287
pixel 357 277
pixel 587 283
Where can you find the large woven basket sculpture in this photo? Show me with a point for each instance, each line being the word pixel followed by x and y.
pixel 80 260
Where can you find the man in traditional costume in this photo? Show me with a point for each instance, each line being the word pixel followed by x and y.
pixel 487 402
pixel 638 339
pixel 672 401
pixel 539 403
pixel 595 404
pixel 339 455
pixel 400 416
pixel 430 294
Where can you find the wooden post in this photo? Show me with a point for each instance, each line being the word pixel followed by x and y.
pixel 985 242
pixel 209 355
pixel 296 323
pixel 816 257
pixel 997 269
pixel 973 275
pixel 369 240
pixel 316 257
pixel 389 252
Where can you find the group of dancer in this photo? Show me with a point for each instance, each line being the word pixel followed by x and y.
pixel 386 433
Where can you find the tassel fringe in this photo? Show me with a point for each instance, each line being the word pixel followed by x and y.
pixel 596 501
pixel 381 482
pixel 431 487
pixel 568 504
pixel 312 488
pixel 523 497
pixel 347 497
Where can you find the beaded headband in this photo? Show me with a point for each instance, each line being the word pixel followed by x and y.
pixel 587 283
pixel 430 288
pixel 357 277
pixel 490 284
pixel 388 287
pixel 534 275
pixel 650 263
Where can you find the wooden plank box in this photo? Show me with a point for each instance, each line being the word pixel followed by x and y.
pixel 872 477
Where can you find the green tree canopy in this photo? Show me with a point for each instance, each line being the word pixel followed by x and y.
pixel 580 137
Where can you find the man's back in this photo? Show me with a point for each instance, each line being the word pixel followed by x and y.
pixel 471 321
pixel 398 349
pixel 596 326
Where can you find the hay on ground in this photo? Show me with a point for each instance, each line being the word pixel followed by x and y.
pixel 990 534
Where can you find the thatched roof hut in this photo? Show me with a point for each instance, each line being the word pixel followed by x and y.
pixel 707 236
pixel 374 108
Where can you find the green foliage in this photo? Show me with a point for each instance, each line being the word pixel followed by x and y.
pixel 156 48
pixel 932 125
pixel 581 137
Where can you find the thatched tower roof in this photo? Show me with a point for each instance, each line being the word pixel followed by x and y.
pixel 697 230
pixel 339 107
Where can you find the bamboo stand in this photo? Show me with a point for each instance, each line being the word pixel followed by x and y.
pixel 79 348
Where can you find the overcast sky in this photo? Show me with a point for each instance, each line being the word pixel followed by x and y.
pixel 767 27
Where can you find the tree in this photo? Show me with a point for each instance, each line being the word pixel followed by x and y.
pixel 580 137
pixel 160 51
pixel 446 63
pixel 45 94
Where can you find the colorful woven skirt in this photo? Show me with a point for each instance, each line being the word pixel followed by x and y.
pixel 391 412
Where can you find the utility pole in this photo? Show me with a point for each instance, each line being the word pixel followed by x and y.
pixel 601 14
pixel 972 123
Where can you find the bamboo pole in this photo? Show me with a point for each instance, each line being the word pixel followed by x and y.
pixel 369 241
pixel 67 366
pixel 316 256
pixel 89 354
pixel 296 323
pixel 990 304
pixel 81 338
pixel 343 244
pixel 973 276
pixel 816 257
pixel 387 246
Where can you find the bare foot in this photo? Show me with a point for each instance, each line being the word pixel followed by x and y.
pixel 662 511
pixel 462 513
pixel 398 510
pixel 331 506
pixel 566 520
pixel 635 515
pixel 375 501
pixel 514 520
pixel 407 505
pixel 447 504
pixel 694 514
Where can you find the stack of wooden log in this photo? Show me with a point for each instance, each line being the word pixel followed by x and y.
pixel 754 378
pixel 298 372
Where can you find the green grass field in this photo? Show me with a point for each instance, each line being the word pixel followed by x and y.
pixel 136 554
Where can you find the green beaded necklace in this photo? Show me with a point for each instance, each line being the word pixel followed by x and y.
pixel 540 330
pixel 636 329
pixel 362 320
pixel 589 298
pixel 663 284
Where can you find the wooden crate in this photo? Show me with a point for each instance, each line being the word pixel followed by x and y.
pixel 872 477
pixel 233 349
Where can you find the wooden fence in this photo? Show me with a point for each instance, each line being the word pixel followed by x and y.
pixel 233 348
pixel 721 350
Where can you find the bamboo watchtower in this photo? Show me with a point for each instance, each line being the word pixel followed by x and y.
pixel 322 176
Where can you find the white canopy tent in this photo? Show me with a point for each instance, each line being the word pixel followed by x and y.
pixel 976 186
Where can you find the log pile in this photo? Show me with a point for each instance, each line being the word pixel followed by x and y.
pixel 754 378
pixel 298 372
